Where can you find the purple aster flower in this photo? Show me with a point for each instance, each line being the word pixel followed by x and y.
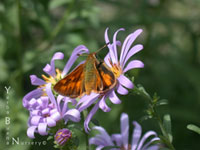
pixel 46 111
pixel 62 136
pixel 53 74
pixel 121 140
pixel 118 66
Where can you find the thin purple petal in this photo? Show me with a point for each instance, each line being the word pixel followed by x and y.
pixel 136 135
pixel 33 94
pixel 90 115
pixel 127 44
pixel 50 94
pixel 121 90
pixel 78 50
pixel 145 137
pixel 153 147
pixel 35 120
pixel 124 120
pixel 131 52
pixel 87 100
pixel 117 138
pixel 107 141
pixel 113 98
pixel 110 47
pixel 134 64
pixel 115 42
pixel 103 105
pixel 36 81
pixel 56 116
pixel 50 69
pixel 51 122
pixel 31 131
pixel 72 114
pixel 147 145
pixel 42 129
pixel 125 82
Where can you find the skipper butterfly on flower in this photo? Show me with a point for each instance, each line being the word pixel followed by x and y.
pixel 91 76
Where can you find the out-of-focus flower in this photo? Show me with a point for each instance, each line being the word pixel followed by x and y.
pixel 62 136
pixel 46 111
pixel 121 140
pixel 53 74
pixel 118 66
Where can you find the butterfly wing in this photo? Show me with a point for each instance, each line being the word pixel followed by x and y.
pixel 107 77
pixel 72 84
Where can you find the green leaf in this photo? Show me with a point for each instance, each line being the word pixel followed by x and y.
pixel 167 126
pixel 193 128
pixel 49 138
pixel 142 90
pixel 162 102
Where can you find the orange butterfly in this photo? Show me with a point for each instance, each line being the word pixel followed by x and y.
pixel 91 76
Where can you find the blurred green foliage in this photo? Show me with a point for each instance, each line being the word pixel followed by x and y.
pixel 32 30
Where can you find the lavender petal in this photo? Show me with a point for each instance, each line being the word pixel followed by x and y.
pixel 78 50
pixel 104 136
pixel 36 81
pixel 33 94
pixel 90 115
pixel 121 90
pixel 145 137
pixel 131 52
pixel 51 122
pixel 50 94
pixel 31 131
pixel 134 64
pixel 35 120
pixel 117 138
pixel 128 42
pixel 42 129
pixel 87 100
pixel 113 98
pixel 125 82
pixel 147 145
pixel 72 114
pixel 136 135
pixel 56 116
pixel 115 42
pixel 124 121
pixel 103 105
pixel 50 69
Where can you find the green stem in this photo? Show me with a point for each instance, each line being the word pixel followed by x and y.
pixel 164 132
pixel 18 75
pixel 85 113
pixel 157 117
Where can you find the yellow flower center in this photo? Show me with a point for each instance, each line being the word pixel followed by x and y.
pixel 53 80
pixel 116 69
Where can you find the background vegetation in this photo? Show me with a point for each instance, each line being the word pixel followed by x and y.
pixel 31 31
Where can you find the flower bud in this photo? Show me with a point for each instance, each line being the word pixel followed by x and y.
pixel 62 136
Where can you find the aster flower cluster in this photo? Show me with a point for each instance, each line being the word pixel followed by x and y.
pixel 47 108
pixel 120 140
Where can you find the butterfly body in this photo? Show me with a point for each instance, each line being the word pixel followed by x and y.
pixel 91 76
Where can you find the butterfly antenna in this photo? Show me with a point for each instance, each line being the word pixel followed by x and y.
pixel 84 54
pixel 102 47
